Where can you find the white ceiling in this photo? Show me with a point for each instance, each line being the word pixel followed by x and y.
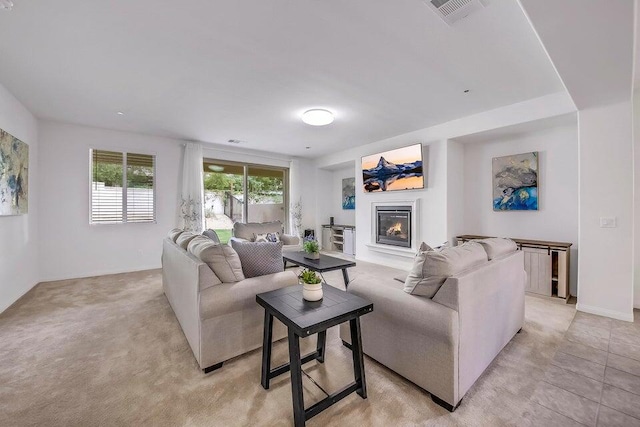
pixel 591 45
pixel 245 69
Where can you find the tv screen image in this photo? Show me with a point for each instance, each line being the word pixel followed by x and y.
pixel 399 169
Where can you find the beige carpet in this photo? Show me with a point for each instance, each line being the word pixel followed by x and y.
pixel 109 351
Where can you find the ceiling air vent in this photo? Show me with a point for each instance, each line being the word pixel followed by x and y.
pixel 451 11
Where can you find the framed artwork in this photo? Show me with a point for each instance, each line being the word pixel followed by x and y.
pixel 515 182
pixel 14 175
pixel 399 169
pixel 349 193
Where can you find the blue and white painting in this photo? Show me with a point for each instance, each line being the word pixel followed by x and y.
pixel 14 175
pixel 348 193
pixel 515 182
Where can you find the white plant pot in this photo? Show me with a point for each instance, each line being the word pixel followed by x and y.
pixel 312 255
pixel 312 292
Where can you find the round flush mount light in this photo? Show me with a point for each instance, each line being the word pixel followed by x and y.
pixel 120 113
pixel 317 117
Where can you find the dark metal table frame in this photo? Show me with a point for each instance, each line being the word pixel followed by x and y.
pixel 296 361
pixel 314 265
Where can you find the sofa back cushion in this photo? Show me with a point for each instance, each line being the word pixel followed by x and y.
pixel 173 234
pixel 495 247
pixel 249 230
pixel 184 238
pixel 431 268
pixel 259 258
pixel 222 259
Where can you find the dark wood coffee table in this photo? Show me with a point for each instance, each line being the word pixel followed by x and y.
pixel 324 263
pixel 305 318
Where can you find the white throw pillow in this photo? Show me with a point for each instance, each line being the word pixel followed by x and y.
pixel 496 247
pixel 431 268
pixel 184 238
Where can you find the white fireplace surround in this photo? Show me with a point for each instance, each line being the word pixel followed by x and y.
pixel 415 232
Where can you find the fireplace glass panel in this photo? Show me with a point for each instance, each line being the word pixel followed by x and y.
pixel 394 226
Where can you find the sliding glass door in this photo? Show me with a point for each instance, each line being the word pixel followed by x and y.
pixel 243 192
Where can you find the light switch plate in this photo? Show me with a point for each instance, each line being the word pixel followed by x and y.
pixel 608 222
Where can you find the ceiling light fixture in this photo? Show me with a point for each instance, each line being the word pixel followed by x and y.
pixel 120 113
pixel 6 5
pixel 317 117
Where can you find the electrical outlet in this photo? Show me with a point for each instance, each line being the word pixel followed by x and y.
pixel 608 222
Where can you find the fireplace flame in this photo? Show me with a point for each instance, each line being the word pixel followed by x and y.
pixel 395 229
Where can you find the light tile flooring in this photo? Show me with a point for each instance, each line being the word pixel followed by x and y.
pixel 594 377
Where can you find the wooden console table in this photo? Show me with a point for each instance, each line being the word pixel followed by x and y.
pixel 546 263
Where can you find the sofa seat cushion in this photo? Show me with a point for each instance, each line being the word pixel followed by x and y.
pixel 222 259
pixel 431 268
pixel 184 238
pixel 496 247
pixel 232 297
pixel 249 230
pixel 174 234
pixel 259 258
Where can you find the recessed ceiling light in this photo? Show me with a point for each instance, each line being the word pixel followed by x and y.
pixel 120 113
pixel 307 147
pixel 466 91
pixel 317 117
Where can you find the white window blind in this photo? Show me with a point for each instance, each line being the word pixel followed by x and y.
pixel 122 187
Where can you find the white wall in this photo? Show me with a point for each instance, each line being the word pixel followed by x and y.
pixel 605 266
pixel 70 247
pixel 557 217
pixel 19 234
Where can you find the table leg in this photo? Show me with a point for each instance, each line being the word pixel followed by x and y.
pixel 267 344
pixel 358 358
pixel 296 379
pixel 345 277
pixel 321 345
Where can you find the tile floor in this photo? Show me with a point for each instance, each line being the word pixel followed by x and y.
pixel 594 377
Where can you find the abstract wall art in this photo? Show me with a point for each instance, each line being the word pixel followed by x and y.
pixel 515 182
pixel 14 175
pixel 349 193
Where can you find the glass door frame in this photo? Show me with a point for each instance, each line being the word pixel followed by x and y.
pixel 245 185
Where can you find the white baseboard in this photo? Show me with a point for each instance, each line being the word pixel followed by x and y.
pixel 628 317
pixel 108 272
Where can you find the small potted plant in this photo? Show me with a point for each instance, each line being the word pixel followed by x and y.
pixel 311 248
pixel 311 285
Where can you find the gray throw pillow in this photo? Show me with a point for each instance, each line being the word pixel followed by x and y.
pixel 431 268
pixel 212 235
pixel 173 234
pixel 259 258
pixel 222 259
pixel 495 247
pixel 184 238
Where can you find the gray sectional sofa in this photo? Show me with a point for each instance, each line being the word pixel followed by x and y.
pixel 220 318
pixel 444 343
pixel 248 231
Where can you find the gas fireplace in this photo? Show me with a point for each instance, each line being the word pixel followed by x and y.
pixel 393 225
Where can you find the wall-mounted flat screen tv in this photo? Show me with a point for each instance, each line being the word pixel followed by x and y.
pixel 399 169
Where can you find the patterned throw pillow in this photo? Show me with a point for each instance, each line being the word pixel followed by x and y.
pixel 267 237
pixel 259 258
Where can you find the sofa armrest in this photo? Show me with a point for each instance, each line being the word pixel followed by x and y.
pixel 417 313
pixel 290 239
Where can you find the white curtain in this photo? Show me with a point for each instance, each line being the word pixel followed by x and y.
pixel 192 196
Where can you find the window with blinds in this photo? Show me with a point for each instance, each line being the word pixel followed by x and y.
pixel 122 187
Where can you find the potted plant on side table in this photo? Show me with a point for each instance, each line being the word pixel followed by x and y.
pixel 311 285
pixel 311 248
